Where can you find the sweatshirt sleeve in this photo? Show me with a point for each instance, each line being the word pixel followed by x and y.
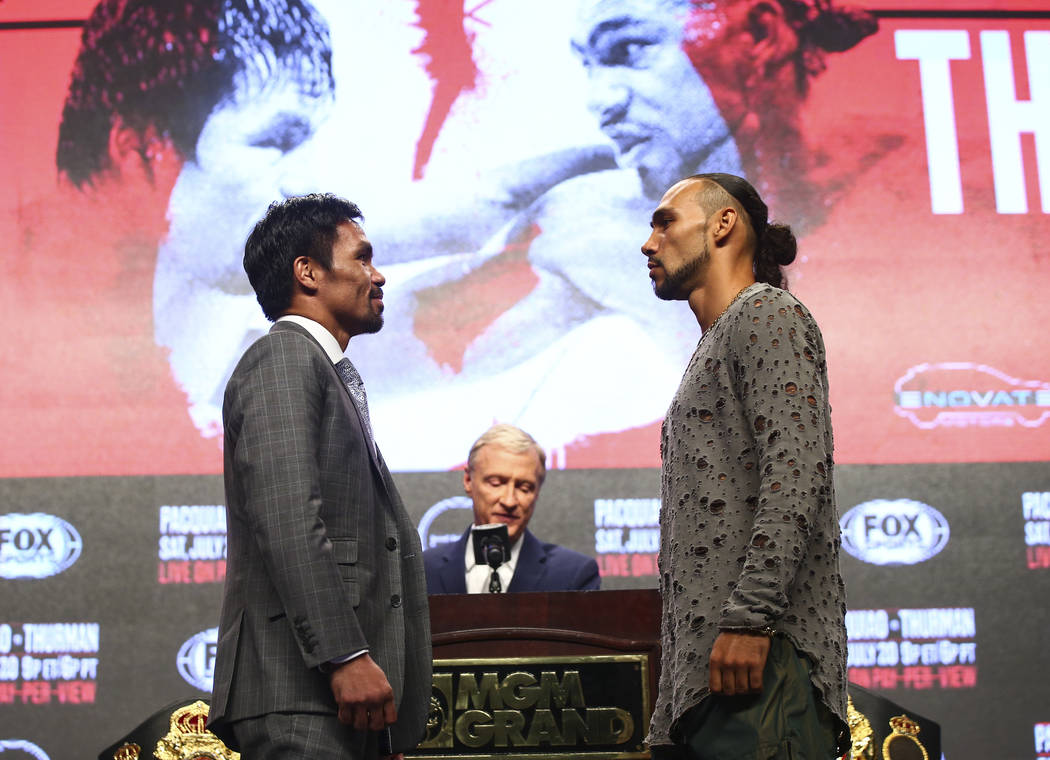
pixel 780 376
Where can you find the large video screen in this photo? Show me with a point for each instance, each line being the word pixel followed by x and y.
pixel 507 156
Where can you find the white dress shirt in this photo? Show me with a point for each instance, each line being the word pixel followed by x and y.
pixel 320 334
pixel 478 576
pixel 328 343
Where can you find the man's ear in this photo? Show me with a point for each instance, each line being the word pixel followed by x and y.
pixel 305 271
pixel 775 40
pixel 723 224
pixel 124 145
pixel 134 152
pixel 468 486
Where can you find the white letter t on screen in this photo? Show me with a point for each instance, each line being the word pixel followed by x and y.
pixel 934 49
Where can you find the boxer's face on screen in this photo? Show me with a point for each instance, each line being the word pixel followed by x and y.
pixel 254 149
pixel 648 98
pixel 503 487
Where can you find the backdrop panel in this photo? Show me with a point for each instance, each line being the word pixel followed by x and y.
pixel 505 155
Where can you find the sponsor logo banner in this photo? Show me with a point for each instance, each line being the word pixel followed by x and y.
pixel 192 544
pixel 1042 741
pixel 1035 507
pixel 966 394
pixel 196 659
pixel 893 531
pixel 627 536
pixel 445 521
pixel 924 648
pixel 36 545
pixel 12 749
pixel 41 663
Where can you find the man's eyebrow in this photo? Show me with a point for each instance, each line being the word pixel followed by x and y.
pixel 611 25
pixel 662 214
pixel 284 123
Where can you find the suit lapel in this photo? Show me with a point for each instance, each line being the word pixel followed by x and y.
pixel 385 476
pixel 355 414
pixel 348 404
pixel 453 571
pixel 531 565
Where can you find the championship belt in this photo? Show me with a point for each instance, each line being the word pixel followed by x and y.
pixel 904 741
pixel 861 745
pixel 881 730
pixel 178 731
pixel 189 739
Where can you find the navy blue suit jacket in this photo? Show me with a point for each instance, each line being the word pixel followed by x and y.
pixel 540 567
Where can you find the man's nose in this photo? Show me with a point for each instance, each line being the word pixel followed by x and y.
pixel 509 497
pixel 650 245
pixel 378 278
pixel 607 95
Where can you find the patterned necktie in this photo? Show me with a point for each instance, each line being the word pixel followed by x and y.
pixel 495 587
pixel 353 382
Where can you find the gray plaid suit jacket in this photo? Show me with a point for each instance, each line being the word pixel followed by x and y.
pixel 322 559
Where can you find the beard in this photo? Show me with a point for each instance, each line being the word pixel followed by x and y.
pixel 374 322
pixel 674 287
pixel 372 325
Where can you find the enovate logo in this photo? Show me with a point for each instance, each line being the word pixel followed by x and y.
pixel 965 394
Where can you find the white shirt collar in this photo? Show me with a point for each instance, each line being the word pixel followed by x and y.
pixel 478 575
pixel 320 334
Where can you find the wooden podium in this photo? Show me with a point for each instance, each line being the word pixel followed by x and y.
pixel 571 675
pixel 553 675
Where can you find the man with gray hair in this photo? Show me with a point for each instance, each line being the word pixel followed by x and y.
pixel 504 473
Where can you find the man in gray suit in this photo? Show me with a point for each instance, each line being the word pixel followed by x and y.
pixel 324 641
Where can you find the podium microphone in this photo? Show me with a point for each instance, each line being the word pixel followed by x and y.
pixel 492 548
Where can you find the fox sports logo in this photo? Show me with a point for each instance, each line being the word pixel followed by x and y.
pixel 36 545
pixel 196 659
pixel 893 532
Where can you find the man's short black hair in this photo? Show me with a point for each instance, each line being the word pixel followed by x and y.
pixel 305 225
pixel 168 65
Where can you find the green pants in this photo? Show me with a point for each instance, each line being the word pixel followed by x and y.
pixel 787 721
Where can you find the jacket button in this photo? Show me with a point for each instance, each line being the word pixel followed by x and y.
pixel 391 543
pixel 395 600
